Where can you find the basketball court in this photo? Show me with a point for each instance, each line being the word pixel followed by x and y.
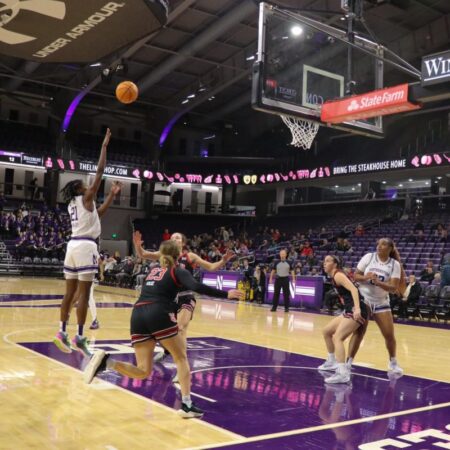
pixel 253 372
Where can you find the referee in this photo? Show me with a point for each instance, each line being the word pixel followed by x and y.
pixel 281 269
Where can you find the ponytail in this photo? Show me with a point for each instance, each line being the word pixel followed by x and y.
pixel 166 261
pixel 169 253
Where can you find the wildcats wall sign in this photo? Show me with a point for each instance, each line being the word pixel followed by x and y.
pixel 74 30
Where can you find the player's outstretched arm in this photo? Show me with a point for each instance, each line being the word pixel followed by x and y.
pixel 115 189
pixel 92 190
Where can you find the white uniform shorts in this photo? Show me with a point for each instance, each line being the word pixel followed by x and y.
pixel 377 306
pixel 81 261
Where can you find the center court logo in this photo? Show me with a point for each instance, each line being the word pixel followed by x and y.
pixel 11 8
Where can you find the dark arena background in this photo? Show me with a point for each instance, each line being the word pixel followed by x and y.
pixel 283 139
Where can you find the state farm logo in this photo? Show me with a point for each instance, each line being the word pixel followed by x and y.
pixel 354 106
pixel 11 8
pixel 377 99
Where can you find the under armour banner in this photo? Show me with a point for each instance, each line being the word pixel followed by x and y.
pixel 75 30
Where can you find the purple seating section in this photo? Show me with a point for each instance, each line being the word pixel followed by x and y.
pixel 414 255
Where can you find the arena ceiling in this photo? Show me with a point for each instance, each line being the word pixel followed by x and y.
pixel 205 50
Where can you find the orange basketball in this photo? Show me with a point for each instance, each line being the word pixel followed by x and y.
pixel 127 92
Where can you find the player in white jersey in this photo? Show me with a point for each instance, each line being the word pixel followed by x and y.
pixel 378 275
pixel 81 261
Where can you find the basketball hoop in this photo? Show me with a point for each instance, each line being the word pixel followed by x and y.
pixel 303 131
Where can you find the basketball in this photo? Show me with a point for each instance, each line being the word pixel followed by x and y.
pixel 127 92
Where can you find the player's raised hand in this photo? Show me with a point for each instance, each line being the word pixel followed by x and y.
pixel 106 138
pixel 137 239
pixel 116 187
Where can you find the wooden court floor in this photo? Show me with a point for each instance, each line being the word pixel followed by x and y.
pixel 46 405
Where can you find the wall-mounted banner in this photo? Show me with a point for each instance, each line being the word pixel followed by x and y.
pixel 434 159
pixel 89 167
pixel 20 158
pixel 75 30
pixel 436 68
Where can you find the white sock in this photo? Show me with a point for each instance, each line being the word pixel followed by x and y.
pixel 349 361
pixel 331 357
pixel 342 368
pixel 393 361
pixel 186 399
pixel 92 305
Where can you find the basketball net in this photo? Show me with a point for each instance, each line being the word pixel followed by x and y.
pixel 303 131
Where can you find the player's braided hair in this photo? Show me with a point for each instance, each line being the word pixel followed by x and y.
pixel 71 190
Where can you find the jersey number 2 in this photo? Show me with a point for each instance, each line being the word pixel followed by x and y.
pixel 73 214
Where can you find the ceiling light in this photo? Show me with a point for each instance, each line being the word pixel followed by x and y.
pixel 336 186
pixel 410 180
pixel 191 96
pixel 359 184
pixel 400 185
pixel 185 101
pixel 384 182
pixel 439 178
pixel 296 30
pixel 250 58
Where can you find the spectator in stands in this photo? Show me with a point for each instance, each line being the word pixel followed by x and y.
pixel 359 230
pixel 419 236
pixel 166 235
pixel 224 235
pixel 327 246
pixel 259 284
pixel 214 254
pixel 340 245
pixel 243 249
pixel 437 278
pixel 298 269
pixel 410 297
pixel 307 250
pixel 265 245
pixel 427 274
pixel 293 255
pixel 276 235
pixel 124 275
pixel 245 269
pixel 440 234
pixel 348 246
pixel 445 271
